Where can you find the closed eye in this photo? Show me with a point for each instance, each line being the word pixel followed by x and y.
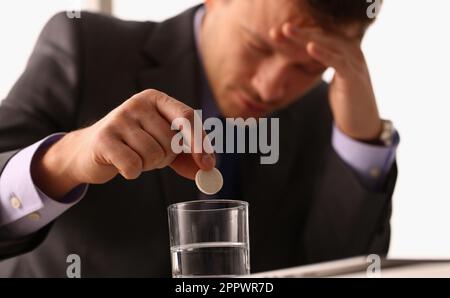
pixel 255 42
pixel 260 48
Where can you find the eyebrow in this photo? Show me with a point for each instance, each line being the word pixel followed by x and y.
pixel 256 36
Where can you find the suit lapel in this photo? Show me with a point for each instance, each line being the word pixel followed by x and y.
pixel 174 69
pixel 282 191
pixel 264 186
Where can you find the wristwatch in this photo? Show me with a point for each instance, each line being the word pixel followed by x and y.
pixel 387 133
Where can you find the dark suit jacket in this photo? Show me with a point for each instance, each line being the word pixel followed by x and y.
pixel 309 207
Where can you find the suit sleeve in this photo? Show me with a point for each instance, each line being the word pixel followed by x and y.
pixel 42 102
pixel 346 219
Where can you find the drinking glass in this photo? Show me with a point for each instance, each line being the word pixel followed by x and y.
pixel 209 238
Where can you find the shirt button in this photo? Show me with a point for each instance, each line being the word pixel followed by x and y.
pixel 35 216
pixel 375 173
pixel 15 202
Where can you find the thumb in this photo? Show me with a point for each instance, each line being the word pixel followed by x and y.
pixel 184 165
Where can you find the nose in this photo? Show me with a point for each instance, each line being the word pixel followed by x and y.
pixel 269 80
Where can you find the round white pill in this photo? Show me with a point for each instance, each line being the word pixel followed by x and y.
pixel 209 182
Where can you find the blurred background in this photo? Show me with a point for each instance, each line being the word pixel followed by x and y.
pixel 408 54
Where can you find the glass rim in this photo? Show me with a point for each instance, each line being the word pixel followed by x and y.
pixel 176 206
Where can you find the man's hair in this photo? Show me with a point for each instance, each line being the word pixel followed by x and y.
pixel 341 11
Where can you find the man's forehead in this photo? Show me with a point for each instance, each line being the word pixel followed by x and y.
pixel 268 14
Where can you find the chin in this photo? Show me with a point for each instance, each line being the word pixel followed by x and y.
pixel 246 114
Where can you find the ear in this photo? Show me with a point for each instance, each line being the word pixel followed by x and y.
pixel 209 4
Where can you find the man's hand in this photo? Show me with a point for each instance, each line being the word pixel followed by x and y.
pixel 351 95
pixel 133 138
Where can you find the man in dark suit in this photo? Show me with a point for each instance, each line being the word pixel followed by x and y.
pixel 87 166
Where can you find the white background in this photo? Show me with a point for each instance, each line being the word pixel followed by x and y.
pixel 407 52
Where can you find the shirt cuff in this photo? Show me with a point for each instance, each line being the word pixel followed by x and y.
pixel 24 207
pixel 371 163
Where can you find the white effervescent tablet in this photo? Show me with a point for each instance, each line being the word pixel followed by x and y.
pixel 209 182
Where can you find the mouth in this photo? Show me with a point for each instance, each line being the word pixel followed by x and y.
pixel 248 103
